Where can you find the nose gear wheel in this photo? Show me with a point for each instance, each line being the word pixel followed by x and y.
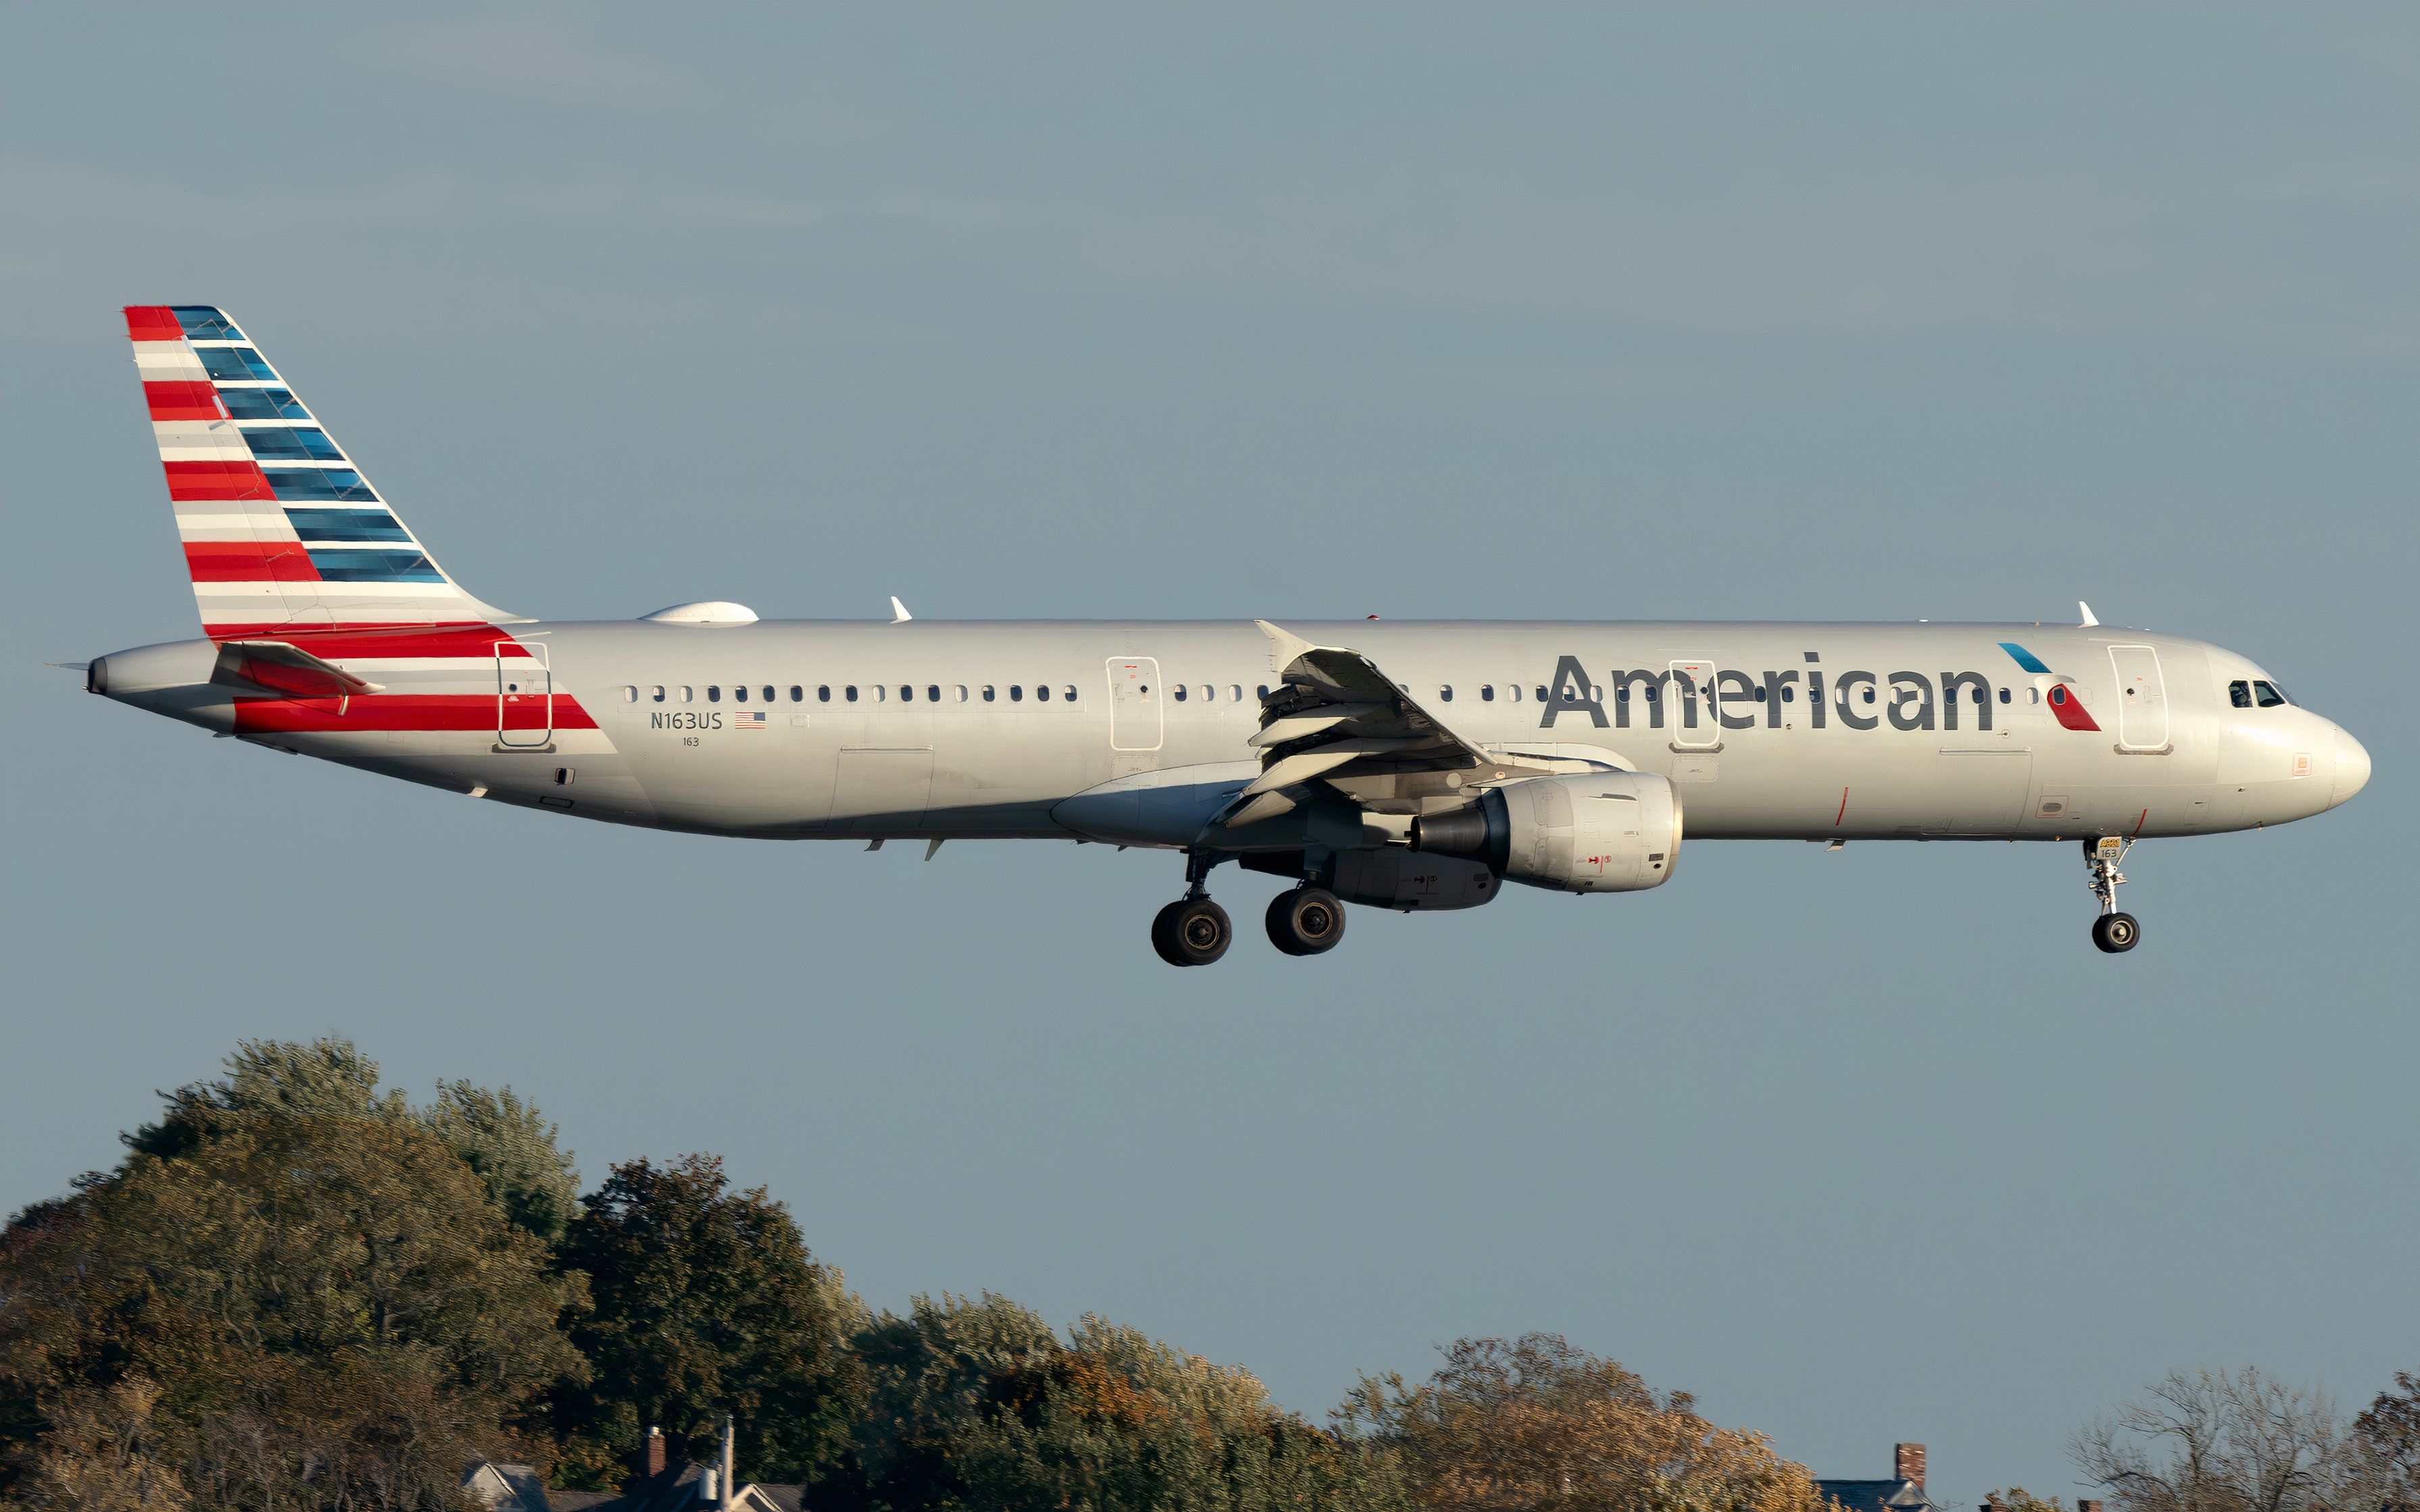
pixel 2113 933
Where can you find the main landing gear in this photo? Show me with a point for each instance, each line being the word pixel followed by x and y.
pixel 1194 932
pixel 1305 921
pixel 2112 932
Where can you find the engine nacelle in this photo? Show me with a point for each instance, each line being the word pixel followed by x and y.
pixel 1601 832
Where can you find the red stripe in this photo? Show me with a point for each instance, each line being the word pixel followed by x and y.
pixel 2070 709
pixel 183 401
pixel 1844 809
pixel 338 642
pixel 249 562
pixel 2142 821
pixel 153 322
pixel 217 480
pixel 408 711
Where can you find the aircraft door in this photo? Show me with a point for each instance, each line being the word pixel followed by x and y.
pixel 1695 719
pixel 2142 698
pixel 1134 703
pixel 525 696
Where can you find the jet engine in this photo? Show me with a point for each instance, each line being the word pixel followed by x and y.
pixel 1598 832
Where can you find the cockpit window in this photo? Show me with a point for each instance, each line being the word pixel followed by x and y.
pixel 2240 694
pixel 2268 696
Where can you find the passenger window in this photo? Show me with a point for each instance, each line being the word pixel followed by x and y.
pixel 931 692
pixel 2240 694
pixel 1265 689
pixel 1042 692
pixel 1512 692
pixel 2033 695
pixel 2004 695
pixel 1068 692
pixel 991 695
pixel 1234 693
pixel 630 694
pixel 880 694
pixel 1180 692
pixel 1017 692
pixel 962 692
pixel 1789 695
pixel 1760 695
pixel 1445 693
pixel 2265 694
pixel 852 692
pixel 657 692
pixel 768 694
pixel 689 694
pixel 1869 695
pixel 1487 693
pixel 1542 693
pixel 823 692
pixel 714 693
pixel 1981 697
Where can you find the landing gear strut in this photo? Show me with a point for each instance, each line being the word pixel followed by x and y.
pixel 1193 931
pixel 2112 932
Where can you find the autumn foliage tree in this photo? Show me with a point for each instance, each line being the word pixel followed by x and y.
pixel 706 1302
pixel 299 1309
pixel 1537 1424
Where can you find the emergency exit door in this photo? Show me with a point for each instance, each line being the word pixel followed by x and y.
pixel 524 694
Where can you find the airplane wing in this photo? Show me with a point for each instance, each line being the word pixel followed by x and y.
pixel 1337 717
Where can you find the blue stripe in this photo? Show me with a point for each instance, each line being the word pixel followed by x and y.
pixel 311 484
pixel 345 525
pixel 374 567
pixel 2025 659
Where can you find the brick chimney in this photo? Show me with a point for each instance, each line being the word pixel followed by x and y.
pixel 655 1452
pixel 1907 1463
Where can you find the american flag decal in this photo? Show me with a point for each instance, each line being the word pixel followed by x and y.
pixel 748 719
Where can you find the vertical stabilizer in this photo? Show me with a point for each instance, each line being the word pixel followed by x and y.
pixel 282 533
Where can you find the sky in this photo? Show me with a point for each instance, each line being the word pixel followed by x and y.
pixel 1853 312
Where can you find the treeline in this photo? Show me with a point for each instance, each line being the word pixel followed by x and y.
pixel 298 1292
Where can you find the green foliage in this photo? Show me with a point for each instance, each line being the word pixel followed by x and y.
pixel 327 1078
pixel 325 1308
pixel 977 1404
pixel 707 1302
pixel 512 1147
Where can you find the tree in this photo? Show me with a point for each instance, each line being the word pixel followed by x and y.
pixel 512 1147
pixel 1534 1423
pixel 2388 1438
pixel 979 1404
pixel 2220 1440
pixel 327 1078
pixel 103 1455
pixel 327 1307
pixel 706 1302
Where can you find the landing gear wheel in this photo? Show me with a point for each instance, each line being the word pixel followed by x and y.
pixel 2116 932
pixel 1305 921
pixel 1192 932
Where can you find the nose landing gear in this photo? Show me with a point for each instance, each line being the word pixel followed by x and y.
pixel 1193 931
pixel 2112 932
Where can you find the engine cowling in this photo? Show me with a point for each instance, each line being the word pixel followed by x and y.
pixel 1601 832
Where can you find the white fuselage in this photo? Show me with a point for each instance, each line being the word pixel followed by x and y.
pixel 938 730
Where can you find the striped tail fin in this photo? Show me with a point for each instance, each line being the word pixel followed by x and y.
pixel 282 534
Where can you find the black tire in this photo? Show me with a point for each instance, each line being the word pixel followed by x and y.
pixel 1305 921
pixel 1163 934
pixel 1192 932
pixel 2115 934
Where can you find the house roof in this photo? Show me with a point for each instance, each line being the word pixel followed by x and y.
pixel 1877 1495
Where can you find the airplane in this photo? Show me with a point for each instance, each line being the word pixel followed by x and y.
pixel 1417 766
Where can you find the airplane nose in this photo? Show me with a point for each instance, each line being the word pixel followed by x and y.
pixel 2352 768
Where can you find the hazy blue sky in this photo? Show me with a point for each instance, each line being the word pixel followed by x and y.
pixel 1799 312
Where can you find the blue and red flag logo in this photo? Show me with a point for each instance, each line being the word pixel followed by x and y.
pixel 2064 703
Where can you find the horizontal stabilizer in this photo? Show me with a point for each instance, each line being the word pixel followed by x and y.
pixel 279 666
